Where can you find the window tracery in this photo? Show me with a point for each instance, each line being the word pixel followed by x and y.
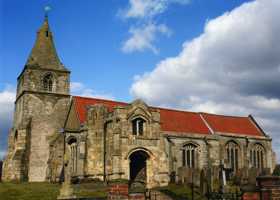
pixel 73 155
pixel 48 82
pixel 189 155
pixel 257 156
pixel 232 150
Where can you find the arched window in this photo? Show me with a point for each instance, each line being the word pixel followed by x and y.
pixel 48 83
pixel 189 155
pixel 16 136
pixel 257 156
pixel 232 151
pixel 138 126
pixel 73 155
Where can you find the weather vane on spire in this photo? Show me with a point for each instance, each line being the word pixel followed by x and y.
pixel 47 9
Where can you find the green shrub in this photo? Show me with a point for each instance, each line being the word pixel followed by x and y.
pixel 276 171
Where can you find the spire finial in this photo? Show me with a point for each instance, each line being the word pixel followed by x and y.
pixel 47 8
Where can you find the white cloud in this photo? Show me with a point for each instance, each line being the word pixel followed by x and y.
pixel 148 8
pixel 2 154
pixel 79 89
pixel 231 68
pixel 7 98
pixel 143 37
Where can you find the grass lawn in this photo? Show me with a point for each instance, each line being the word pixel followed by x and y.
pixel 46 191
pixel 28 191
pixel 180 192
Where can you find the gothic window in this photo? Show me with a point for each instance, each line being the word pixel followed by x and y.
pixel 189 155
pixel 138 126
pixel 48 83
pixel 232 156
pixel 257 156
pixel 73 155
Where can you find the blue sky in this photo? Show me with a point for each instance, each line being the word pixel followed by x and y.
pixel 126 49
pixel 89 37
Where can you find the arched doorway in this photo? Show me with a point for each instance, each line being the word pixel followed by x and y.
pixel 138 168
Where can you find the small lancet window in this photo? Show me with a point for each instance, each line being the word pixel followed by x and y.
pixel 48 83
pixel 138 126
pixel 47 33
pixel 16 136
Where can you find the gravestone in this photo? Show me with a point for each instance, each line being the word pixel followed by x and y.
pixel 188 175
pixel 196 177
pixel 244 175
pixel 266 172
pixel 253 173
pixel 215 185
pixel 203 183
pixel 173 177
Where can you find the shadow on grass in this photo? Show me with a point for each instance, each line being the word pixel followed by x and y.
pixel 180 192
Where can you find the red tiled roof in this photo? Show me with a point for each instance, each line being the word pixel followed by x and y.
pixel 232 124
pixel 181 121
pixel 81 104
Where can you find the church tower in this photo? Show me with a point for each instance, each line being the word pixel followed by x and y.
pixel 40 109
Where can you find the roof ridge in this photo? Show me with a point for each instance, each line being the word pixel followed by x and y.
pixel 221 115
pixel 93 98
pixel 176 110
pixel 163 108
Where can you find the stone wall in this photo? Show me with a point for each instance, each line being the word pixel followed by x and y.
pixel 38 119
pixel 110 142
pixel 210 152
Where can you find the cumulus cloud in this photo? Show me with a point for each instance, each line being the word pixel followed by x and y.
pixel 79 89
pixel 143 35
pixel 2 154
pixel 231 68
pixel 143 38
pixel 7 98
pixel 147 8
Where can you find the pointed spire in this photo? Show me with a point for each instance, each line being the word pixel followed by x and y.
pixel 43 54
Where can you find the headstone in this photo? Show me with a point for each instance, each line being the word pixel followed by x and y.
pixel 266 172
pixel 244 176
pixel 253 173
pixel 173 177
pixel 203 183
pixel 196 177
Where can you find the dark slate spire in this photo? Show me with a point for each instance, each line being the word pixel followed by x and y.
pixel 43 54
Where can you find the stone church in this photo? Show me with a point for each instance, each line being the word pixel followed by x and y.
pixel 107 140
